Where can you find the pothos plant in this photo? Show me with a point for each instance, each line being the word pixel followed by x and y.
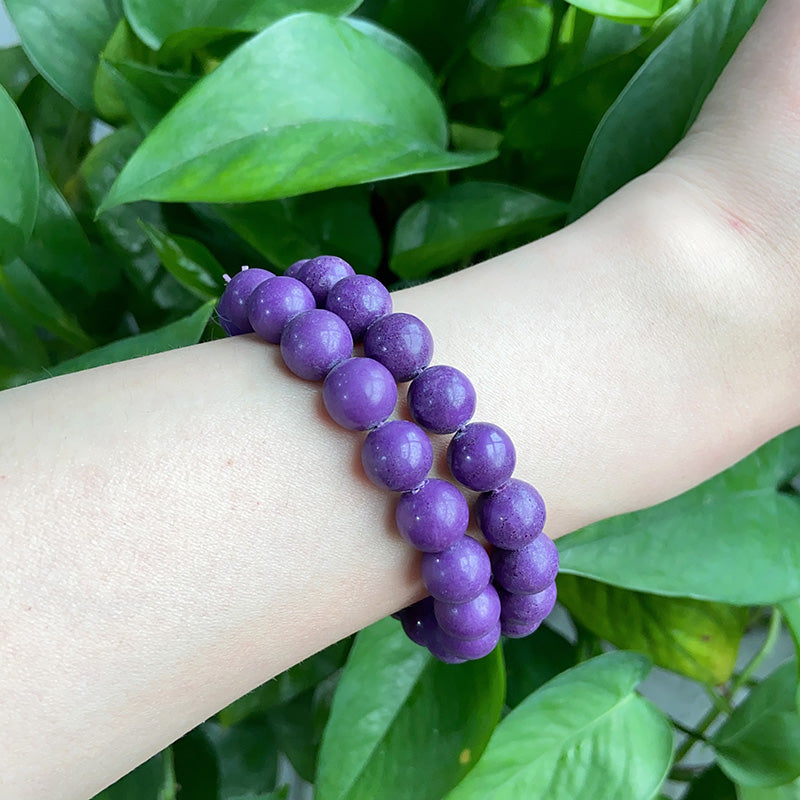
pixel 411 137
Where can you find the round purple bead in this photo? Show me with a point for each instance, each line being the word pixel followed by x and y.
pixel 274 302
pixel 481 456
pixel 432 516
pixel 441 399
pixel 438 646
pixel 471 649
pixel 470 620
pixel 397 455
pixel 522 614
pixel 359 300
pixel 528 570
pixel 293 269
pixel 511 517
pixel 359 393
pixel 459 573
pixel 232 307
pixel 419 622
pixel 314 342
pixel 321 273
pixel 401 342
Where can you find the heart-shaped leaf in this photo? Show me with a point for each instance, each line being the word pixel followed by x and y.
pixel 518 32
pixel 19 180
pixel 63 40
pixel 733 539
pixel 271 122
pixel 692 637
pixel 586 733
pixel 404 725
pixel 462 220
pixel 156 20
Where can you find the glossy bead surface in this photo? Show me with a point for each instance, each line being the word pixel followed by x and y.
pixel 292 270
pixel 522 614
pixel 359 300
pixel 419 622
pixel 441 399
pixel 459 573
pixel 274 302
pixel 401 342
pixel 481 456
pixel 512 517
pixel 471 649
pixel 232 307
pixel 528 570
pixel 438 646
pixel 321 273
pixel 397 456
pixel 432 516
pixel 359 393
pixel 314 342
pixel 470 620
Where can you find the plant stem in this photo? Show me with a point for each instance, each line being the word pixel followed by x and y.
pixel 722 704
pixel 746 674
pixel 699 732
pixel 695 734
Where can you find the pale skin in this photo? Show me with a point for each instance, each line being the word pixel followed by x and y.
pixel 180 528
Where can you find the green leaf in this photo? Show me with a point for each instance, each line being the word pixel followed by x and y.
pixel 16 71
pixel 59 131
pixel 534 660
pixel 759 744
pixel 517 33
pixel 20 283
pixel 189 262
pixel 462 220
pixel 21 351
pixel 287 124
pixel 790 791
pixel 153 780
pixel 299 724
pixel 288 685
pixel 182 333
pixel 60 255
pixel 396 46
pixel 63 40
pixel 691 637
pixel 19 180
pixel 284 231
pixel 634 10
pixel 147 92
pixel 156 20
pixel 120 226
pixel 554 129
pixel 790 610
pixel 404 725
pixel 586 733
pixel 731 540
pixel 662 100
pixel 246 757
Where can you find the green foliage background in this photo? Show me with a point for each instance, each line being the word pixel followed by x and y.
pixel 411 137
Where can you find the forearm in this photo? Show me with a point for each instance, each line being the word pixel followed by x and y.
pixel 179 528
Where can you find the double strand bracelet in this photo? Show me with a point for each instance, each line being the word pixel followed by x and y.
pixel 316 311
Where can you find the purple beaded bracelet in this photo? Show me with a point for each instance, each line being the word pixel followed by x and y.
pixel 316 311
